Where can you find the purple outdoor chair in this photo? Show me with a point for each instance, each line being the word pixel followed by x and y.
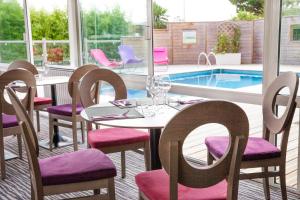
pixel 101 58
pixel 127 55
pixel 88 169
pixel 160 55
pixel 260 152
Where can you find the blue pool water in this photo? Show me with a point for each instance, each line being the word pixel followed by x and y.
pixel 222 78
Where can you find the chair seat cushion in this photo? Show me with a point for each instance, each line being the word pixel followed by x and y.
pixel 9 121
pixel 256 149
pixel 115 136
pixel 79 166
pixel 42 101
pixel 65 109
pixel 155 185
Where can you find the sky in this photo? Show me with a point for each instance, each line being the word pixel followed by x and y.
pixel 184 10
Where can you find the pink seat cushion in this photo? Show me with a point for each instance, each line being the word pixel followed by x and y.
pixel 115 136
pixel 256 149
pixel 79 166
pixel 41 101
pixel 65 109
pixel 9 121
pixel 155 185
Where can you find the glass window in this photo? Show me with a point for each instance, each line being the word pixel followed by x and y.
pixel 114 34
pixel 50 35
pixel 295 32
pixel 12 31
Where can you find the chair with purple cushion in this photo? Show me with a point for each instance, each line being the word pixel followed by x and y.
pixel 70 172
pixel 8 122
pixel 127 55
pixel 70 112
pixel 180 179
pixel 260 152
pixel 112 140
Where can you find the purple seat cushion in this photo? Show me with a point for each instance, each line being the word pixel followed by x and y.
pixel 79 166
pixel 65 109
pixel 9 121
pixel 256 149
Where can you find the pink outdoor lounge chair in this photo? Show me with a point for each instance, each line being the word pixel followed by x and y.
pixel 160 55
pixel 101 58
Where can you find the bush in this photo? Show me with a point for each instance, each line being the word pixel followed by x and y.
pixel 227 44
pixel 246 16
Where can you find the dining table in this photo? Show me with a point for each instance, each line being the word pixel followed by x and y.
pixel 53 81
pixel 154 123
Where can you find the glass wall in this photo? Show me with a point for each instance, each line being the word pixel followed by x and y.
pixel 50 35
pixel 214 49
pixel 290 61
pixel 12 31
pixel 115 35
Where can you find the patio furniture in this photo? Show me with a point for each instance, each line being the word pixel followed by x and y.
pixel 111 140
pixel 260 152
pixel 181 180
pixel 154 124
pixel 101 58
pixel 160 55
pixel 8 121
pixel 70 112
pixel 40 103
pixel 70 172
pixel 127 55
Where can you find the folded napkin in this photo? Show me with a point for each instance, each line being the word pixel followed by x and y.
pixel 122 103
pixel 183 102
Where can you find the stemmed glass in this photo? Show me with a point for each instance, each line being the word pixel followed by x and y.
pixel 164 85
pixel 152 86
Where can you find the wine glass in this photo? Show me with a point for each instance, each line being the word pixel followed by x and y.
pixel 164 86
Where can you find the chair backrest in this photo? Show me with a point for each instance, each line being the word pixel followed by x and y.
pixel 93 77
pixel 23 64
pixel 16 75
pixel 272 123
pixel 31 143
pixel 179 127
pixel 160 55
pixel 100 57
pixel 126 53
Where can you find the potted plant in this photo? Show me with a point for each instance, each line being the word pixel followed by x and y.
pixel 227 48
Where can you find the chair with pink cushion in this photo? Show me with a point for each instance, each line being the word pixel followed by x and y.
pixel 70 112
pixel 260 152
pixel 40 103
pixel 101 58
pixel 160 55
pixel 111 140
pixel 70 172
pixel 8 120
pixel 181 180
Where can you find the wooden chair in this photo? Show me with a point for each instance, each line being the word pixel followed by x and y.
pixel 70 172
pixel 8 122
pixel 182 180
pixel 40 103
pixel 111 140
pixel 260 152
pixel 70 112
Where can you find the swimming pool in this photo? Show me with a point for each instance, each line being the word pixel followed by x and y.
pixel 221 78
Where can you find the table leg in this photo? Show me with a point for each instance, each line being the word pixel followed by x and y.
pixel 154 141
pixel 54 103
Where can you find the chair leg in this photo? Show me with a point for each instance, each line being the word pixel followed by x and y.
pixel 96 191
pixel 111 189
pixel 283 183
pixel 123 164
pixel 74 131
pixel 147 155
pixel 266 184
pixel 210 158
pixel 38 125
pixel 140 196
pixel 50 132
pixel 32 193
pixel 19 138
pixel 82 132
pixel 2 158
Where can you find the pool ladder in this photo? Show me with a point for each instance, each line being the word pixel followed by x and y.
pixel 206 56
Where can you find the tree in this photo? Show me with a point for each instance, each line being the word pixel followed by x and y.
pixel 290 7
pixel 160 17
pixel 253 6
